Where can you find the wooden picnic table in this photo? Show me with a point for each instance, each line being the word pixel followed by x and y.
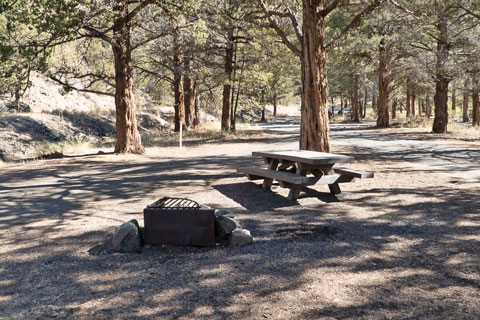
pixel 299 168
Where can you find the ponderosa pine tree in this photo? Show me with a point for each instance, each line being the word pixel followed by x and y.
pixel 113 23
pixel 312 49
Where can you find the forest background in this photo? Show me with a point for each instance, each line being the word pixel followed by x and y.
pixel 411 60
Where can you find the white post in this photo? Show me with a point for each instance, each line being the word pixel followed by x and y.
pixel 181 127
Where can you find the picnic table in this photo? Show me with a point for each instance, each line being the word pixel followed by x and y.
pixel 299 168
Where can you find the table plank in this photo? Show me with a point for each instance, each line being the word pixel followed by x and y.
pixel 279 175
pixel 306 156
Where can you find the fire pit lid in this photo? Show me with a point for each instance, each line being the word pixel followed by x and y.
pixel 175 204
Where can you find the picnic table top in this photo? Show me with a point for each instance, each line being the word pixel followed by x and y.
pixel 306 156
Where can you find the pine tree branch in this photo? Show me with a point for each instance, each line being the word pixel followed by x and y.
pixel 355 23
pixel 69 86
pixel 279 31
pixel 400 7
pixel 470 12
pixel 295 25
pixel 332 6
pixel 137 10
pixel 99 34
pixel 153 73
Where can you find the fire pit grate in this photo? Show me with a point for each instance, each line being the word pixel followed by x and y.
pixel 179 221
pixel 174 204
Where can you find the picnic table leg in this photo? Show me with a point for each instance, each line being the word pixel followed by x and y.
pixel 334 187
pixel 272 165
pixel 294 192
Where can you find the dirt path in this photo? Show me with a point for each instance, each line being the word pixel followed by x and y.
pixel 405 245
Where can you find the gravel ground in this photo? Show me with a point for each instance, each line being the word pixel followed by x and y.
pixel 404 245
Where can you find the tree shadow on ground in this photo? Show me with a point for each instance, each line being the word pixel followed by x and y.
pixel 429 274
pixel 399 259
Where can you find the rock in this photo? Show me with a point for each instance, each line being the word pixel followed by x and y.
pixel 127 237
pixel 224 213
pixel 224 226
pixel 240 237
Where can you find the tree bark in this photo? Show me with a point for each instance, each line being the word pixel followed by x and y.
pixel 128 137
pixel 196 120
pixel 454 99
pixel 440 122
pixel 227 87
pixel 263 106
pixel 190 91
pixel 314 133
pixel 355 101
pixel 383 89
pixel 275 105
pixel 178 86
pixel 429 106
pixel 364 112
pixel 465 102
pixel 409 98
pixel 394 108
pixel 235 109
pixel 374 102
pixel 476 102
pixel 412 104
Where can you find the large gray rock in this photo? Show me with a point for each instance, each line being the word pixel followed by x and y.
pixel 240 237
pixel 127 237
pixel 224 226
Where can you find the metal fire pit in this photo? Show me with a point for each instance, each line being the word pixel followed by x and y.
pixel 177 221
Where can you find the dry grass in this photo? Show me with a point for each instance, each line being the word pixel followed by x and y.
pixel 463 131
pixel 58 149
pixel 205 133
pixel 417 122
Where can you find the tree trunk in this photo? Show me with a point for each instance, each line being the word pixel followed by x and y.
pixel 465 102
pixel 476 102
pixel 275 105
pixel 374 102
pixel 364 112
pixel 232 104
pixel 342 107
pixel 314 133
pixel 429 106
pixel 383 90
pixel 412 104
pixel 440 122
pixel 178 86
pixel 227 87
pixel 355 101
pixel 454 99
pixel 196 120
pixel 233 79
pixel 332 101
pixel 190 91
pixel 128 137
pixel 394 108
pixel 240 82
pixel 409 98
pixel 263 106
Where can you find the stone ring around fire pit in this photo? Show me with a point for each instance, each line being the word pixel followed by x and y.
pixel 179 221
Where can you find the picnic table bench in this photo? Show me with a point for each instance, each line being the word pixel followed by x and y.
pixel 299 168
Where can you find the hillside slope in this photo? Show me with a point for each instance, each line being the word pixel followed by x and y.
pixel 52 116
